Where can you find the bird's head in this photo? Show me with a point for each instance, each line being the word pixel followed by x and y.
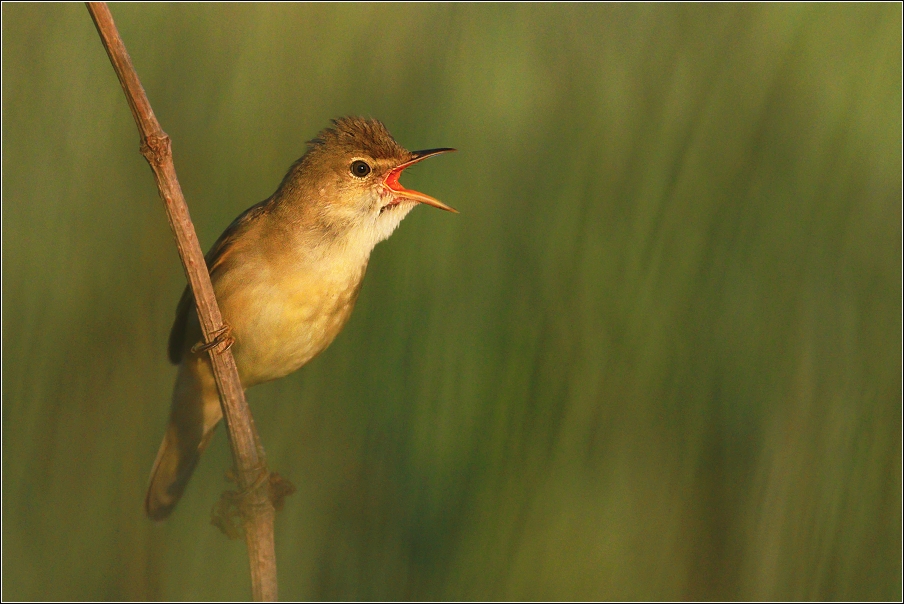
pixel 349 180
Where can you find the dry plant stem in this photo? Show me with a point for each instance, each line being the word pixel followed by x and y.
pixel 256 509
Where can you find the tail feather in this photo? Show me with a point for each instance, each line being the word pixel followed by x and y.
pixel 194 415
pixel 175 463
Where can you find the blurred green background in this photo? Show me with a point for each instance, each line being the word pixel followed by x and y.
pixel 657 355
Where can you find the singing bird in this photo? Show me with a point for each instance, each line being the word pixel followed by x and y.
pixel 286 274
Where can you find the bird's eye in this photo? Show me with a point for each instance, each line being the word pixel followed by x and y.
pixel 360 168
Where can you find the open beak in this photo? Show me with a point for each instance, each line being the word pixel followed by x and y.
pixel 392 183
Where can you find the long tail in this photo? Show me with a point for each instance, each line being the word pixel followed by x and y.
pixel 194 415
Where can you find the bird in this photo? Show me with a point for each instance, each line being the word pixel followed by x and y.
pixel 286 274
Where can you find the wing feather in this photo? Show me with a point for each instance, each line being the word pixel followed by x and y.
pixel 214 258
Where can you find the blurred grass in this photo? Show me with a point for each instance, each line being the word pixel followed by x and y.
pixel 657 356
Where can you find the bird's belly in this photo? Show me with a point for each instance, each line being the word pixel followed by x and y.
pixel 285 326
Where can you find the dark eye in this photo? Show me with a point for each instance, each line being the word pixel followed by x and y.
pixel 360 168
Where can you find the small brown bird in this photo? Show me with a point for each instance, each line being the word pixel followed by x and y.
pixel 286 274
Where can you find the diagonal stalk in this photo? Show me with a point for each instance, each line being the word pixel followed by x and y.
pixel 248 456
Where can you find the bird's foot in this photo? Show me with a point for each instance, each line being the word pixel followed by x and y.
pixel 222 341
